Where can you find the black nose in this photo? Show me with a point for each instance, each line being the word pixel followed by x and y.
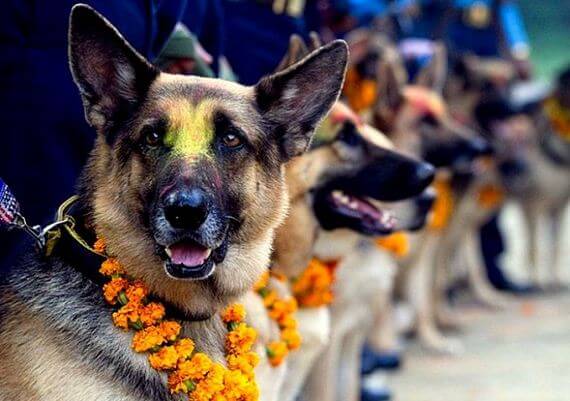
pixel 186 209
pixel 425 173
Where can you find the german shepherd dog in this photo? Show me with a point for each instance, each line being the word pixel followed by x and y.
pixel 185 184
pixel 415 117
pixel 360 167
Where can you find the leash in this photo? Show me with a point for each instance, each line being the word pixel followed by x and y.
pixel 45 237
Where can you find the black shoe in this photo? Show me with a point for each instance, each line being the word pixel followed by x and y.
pixel 377 394
pixel 372 360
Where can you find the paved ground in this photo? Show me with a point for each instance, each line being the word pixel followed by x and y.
pixel 520 354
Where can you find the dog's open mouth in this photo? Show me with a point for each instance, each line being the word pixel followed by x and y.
pixel 337 209
pixel 188 259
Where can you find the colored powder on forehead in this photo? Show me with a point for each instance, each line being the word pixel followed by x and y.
pixel 190 131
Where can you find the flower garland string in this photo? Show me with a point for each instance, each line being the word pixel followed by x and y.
pixel 313 288
pixel 559 117
pixel 396 243
pixel 282 311
pixel 192 373
pixel 443 206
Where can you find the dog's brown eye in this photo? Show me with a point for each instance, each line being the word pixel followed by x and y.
pixel 231 140
pixel 152 138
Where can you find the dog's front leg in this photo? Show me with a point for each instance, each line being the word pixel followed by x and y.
pixel 351 365
pixel 531 217
pixel 383 335
pixel 420 294
pixel 556 216
pixel 322 382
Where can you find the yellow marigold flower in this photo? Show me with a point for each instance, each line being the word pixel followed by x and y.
pixel 241 339
pixel 276 352
pixel 288 322
pixel 136 292
pixel 111 267
pixel 151 314
pixel 169 329
pixel 234 314
pixel 269 298
pixel 164 359
pixel 292 338
pixel 148 338
pixel 245 363
pixel 184 348
pixel 196 368
pixel 235 384
pixel 112 289
pixel 262 282
pixel 99 245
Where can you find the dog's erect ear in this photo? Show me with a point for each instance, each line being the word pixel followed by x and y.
pixel 434 74
pixel 110 74
pixel 295 100
pixel 389 88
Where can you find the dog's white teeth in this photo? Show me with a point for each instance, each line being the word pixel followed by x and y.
pixel 168 252
pixel 337 194
pixel 208 253
pixel 353 205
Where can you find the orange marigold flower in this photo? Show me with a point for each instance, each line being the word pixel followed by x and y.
pixel 195 368
pixel 148 338
pixel 151 314
pixel 111 267
pixel 292 338
pixel 396 243
pixel 262 282
pixel 170 329
pixel 241 339
pixel 269 298
pixel 234 314
pixel 288 322
pixel 276 352
pixel 164 359
pixel 99 245
pixel 235 385
pixel 490 196
pixel 245 363
pixel 113 288
pixel 184 348
pixel 127 314
pixel 177 383
pixel 136 292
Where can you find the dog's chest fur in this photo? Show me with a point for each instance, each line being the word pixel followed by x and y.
pixel 57 341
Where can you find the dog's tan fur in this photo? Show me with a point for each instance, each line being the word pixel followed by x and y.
pixel 57 340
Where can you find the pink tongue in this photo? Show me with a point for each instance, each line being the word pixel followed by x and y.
pixel 188 254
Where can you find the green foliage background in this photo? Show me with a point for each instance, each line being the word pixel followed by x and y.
pixel 548 25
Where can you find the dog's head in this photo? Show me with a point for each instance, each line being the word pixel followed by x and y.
pixel 417 119
pixel 186 181
pixel 348 181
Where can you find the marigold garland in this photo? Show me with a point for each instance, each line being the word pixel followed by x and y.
pixel 443 205
pixel 559 117
pixel 396 243
pixel 490 196
pixel 189 372
pixel 313 288
pixel 282 311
